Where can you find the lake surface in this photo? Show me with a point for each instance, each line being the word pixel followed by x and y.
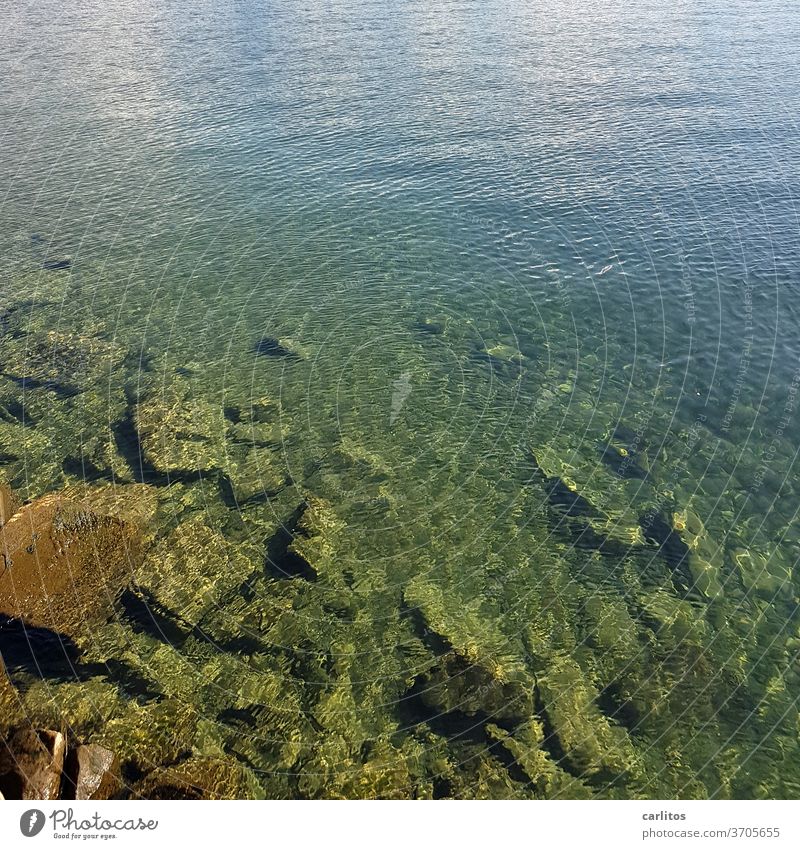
pixel 483 319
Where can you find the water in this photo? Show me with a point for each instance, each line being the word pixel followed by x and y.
pixel 534 270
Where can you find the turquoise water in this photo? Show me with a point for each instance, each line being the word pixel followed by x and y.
pixel 531 276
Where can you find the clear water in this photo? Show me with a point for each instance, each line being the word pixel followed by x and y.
pixel 497 236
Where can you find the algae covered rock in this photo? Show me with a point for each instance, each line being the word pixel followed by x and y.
pixel 611 627
pixel 482 674
pixel 32 463
pixel 191 569
pixel 253 473
pixel 178 432
pixel 136 504
pixel 316 535
pixel 588 740
pixel 504 353
pixel 471 635
pixel 10 701
pixel 67 363
pixel 763 574
pixel 199 778
pixel 453 684
pixel 383 774
pixel 525 745
pixel 284 347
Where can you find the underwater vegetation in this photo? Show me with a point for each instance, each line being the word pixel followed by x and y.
pixel 245 589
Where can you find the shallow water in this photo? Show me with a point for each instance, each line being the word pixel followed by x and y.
pixel 527 282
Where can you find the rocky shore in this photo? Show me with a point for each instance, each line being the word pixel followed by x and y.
pixel 66 559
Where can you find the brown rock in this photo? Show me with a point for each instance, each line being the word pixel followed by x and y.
pixel 31 764
pixel 93 773
pixel 8 504
pixel 62 565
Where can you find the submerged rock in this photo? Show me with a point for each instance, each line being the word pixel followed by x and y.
pixel 192 568
pixel 501 356
pixel 473 636
pixel 64 564
pixel 284 347
pixel 61 264
pixel 254 473
pixel 433 325
pixel 706 560
pixel 624 463
pixel 589 742
pixel 455 685
pixel 199 778
pixel 178 433
pixel 671 547
pixel 135 504
pixel 31 764
pixel 505 353
pixel 316 534
pixel 763 574
pixel 67 363
pixel 526 746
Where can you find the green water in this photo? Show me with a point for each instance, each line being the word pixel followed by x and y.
pixel 523 284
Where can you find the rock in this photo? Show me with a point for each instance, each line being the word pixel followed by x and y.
pixel 65 362
pixel 763 574
pixel 284 347
pixel 254 473
pixel 93 772
pixel 589 742
pixel 658 531
pixel 199 778
pixel 191 570
pixel 61 264
pixel 689 524
pixel 455 685
pixel 64 564
pixel 316 534
pixel 611 629
pixel 525 746
pixel 178 433
pixel 433 325
pixel 31 764
pixel 263 409
pixel 29 459
pixel 706 578
pixel 473 636
pixel 8 504
pixel 502 354
pixel 135 503
pixel 623 462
